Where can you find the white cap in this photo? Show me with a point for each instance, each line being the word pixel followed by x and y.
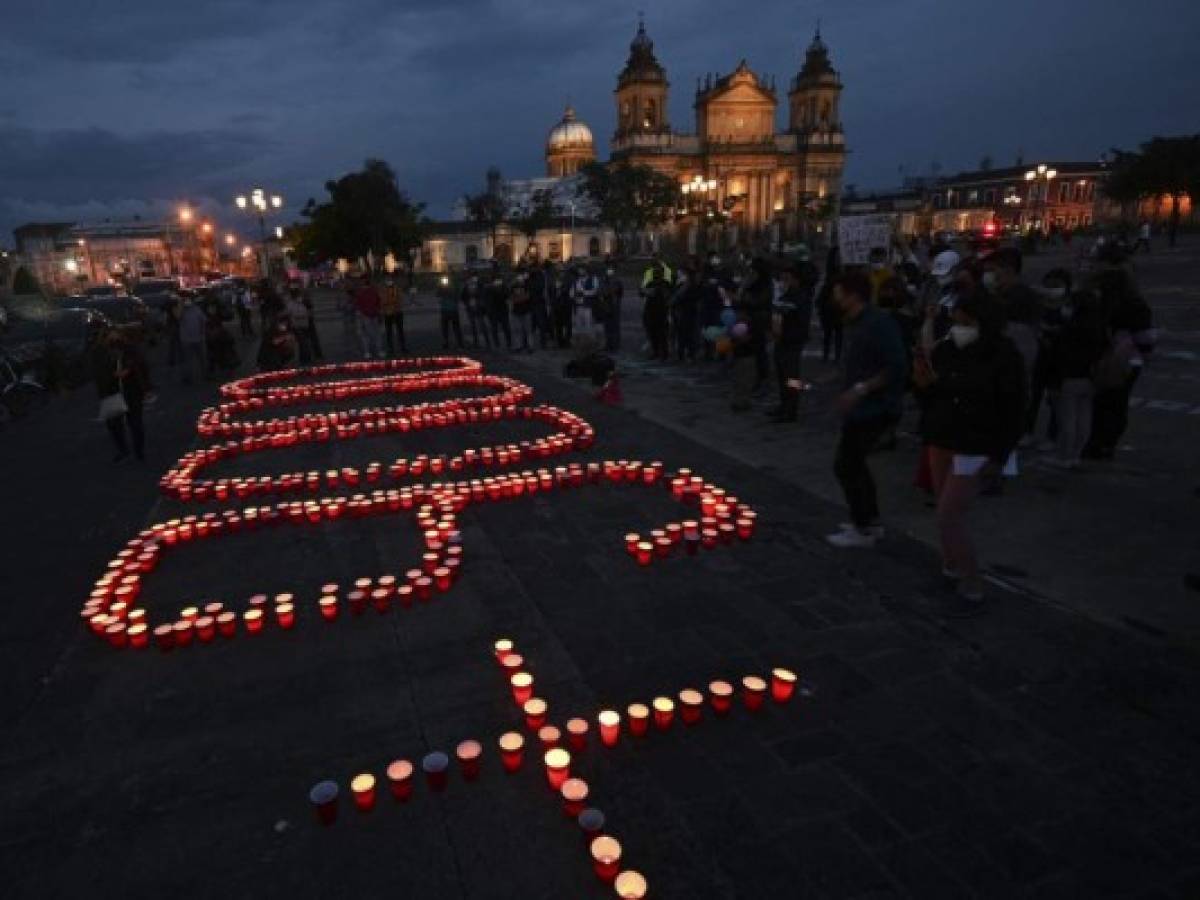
pixel 944 263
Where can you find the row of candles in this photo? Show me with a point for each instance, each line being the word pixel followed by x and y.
pixel 116 594
pixel 557 754
pixel 269 385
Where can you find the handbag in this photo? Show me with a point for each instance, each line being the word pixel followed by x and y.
pixel 113 405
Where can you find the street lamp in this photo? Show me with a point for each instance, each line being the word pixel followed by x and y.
pixel 1042 176
pixel 259 204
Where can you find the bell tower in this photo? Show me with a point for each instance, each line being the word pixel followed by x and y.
pixel 641 92
pixel 815 94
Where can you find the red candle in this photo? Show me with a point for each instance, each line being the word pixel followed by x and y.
pixel 574 792
pixel 381 599
pixel 206 628
pixel 721 693
pixel 329 607
pixel 441 577
pixel 363 789
pixel 708 538
pixel 227 624
pixel 631 543
pixel 404 595
pixel 512 746
pixel 535 713
pixel 189 613
pixel 662 546
pixel 253 620
pixel 424 588
pixel 184 631
pixel 164 636
pixel 606 857
pixel 512 663
pixel 783 683
pixel 754 692
pixel 577 730
pixel 610 726
pixel 639 719
pixel 630 885
pixel 116 634
pixel 745 528
pixel 558 767
pixel 285 615
pixel 549 736
pixel 502 648
pixel 214 609
pixel 691 703
pixel 645 553
pixel 469 753
pixel 323 797
pixel 399 775
pixel 138 636
pixel 522 687
pixel 435 765
pixel 664 712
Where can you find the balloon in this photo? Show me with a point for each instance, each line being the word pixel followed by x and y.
pixel 713 333
pixel 724 345
pixel 741 331
pixel 728 317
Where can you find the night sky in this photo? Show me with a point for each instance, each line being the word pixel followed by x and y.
pixel 110 109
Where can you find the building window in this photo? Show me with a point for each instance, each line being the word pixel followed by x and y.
pixel 972 196
pixel 650 119
pixel 989 197
pixel 594 246
pixel 555 250
pixel 1064 192
pixel 472 253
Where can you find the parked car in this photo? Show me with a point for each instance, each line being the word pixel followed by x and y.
pixel 118 310
pixel 51 342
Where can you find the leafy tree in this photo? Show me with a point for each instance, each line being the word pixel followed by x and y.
pixel 628 198
pixel 539 213
pixel 1163 167
pixel 366 211
pixel 490 208
pixel 24 282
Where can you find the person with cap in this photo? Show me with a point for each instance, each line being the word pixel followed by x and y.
pixel 974 392
pixel 869 404
pixel 792 314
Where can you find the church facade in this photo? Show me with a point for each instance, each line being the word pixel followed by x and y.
pixel 741 176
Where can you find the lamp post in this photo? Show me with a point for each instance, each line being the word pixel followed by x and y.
pixel 259 205
pixel 1042 176
pixel 697 200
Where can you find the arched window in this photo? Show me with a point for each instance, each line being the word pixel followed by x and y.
pixel 650 117
pixel 826 112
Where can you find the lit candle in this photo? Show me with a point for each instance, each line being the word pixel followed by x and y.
pixel 754 692
pixel 184 631
pixel 721 693
pixel 469 753
pixel 206 628
pixel 664 712
pixel 631 543
pixel 535 713
pixel 253 620
pixel 329 607
pixel 512 663
pixel 783 683
pixel 630 885
pixel 558 767
pixel 323 796
pixel 424 588
pixel 691 703
pixel 435 765
pixel 606 857
pixel 285 615
pixel 639 719
pixel 502 648
pixel 138 636
pixel 227 624
pixel 549 736
pixel 745 528
pixel 522 687
pixel 363 789
pixel 574 792
pixel 577 730
pixel 610 726
pixel 645 553
pixel 441 577
pixel 189 613
pixel 512 746
pixel 399 775
pixel 381 599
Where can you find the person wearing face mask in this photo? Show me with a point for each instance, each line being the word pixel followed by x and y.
pixel 711 300
pixel 685 312
pixel 869 404
pixel 974 395
pixel 608 308
pixel 1081 340
pixel 880 272
pixel 1019 303
pixel 1056 311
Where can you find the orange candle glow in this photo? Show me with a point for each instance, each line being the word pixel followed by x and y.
pixel 522 687
pixel 754 692
pixel 469 753
pixel 574 792
pixel 610 726
pixel 329 607
pixel 691 702
pixel 577 730
pixel 721 693
pixel 606 857
pixel 639 719
pixel 558 767
pixel 512 747
pixel 630 885
pixel 502 648
pixel 285 615
pixel 664 712
pixel 227 624
pixel 549 736
pixel 535 713
pixel 399 775
pixel 783 683
pixel 363 789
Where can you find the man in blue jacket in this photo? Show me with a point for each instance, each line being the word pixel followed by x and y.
pixel 870 402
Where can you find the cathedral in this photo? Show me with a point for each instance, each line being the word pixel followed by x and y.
pixel 738 172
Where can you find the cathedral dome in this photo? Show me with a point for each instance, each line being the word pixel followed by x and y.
pixel 569 133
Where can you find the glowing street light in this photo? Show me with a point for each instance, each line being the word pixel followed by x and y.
pixel 259 204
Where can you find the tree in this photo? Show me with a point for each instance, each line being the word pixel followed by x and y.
pixel 366 212
pixel 539 213
pixel 629 199
pixel 1167 167
pixel 490 208
pixel 24 282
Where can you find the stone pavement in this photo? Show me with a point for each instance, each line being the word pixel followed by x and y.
pixel 1029 753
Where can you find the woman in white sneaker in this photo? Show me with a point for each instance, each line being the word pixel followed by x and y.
pixel 974 392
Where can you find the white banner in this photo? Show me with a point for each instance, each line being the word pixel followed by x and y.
pixel 857 235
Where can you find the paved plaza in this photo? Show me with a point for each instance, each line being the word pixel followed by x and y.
pixel 1048 749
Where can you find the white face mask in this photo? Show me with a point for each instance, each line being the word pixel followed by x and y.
pixel 964 335
pixel 1055 294
pixel 989 280
pixel 610 271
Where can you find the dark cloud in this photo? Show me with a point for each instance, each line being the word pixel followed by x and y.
pixel 144 101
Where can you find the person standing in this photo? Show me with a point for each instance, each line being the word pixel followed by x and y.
pixel 1143 238
pixel 585 294
pixel 245 311
pixel 472 299
pixel 391 308
pixel 611 294
pixel 975 396
pixel 870 403
pixel 656 311
pixel 496 298
pixel 1019 304
pixel 685 310
pixel 367 307
pixel 174 345
pixel 792 315
pixel 754 303
pixel 192 332
pixel 1078 346
pixel 832 325
pixel 301 325
pixel 538 284
pixel 448 310
pixel 563 307
pixel 120 370
pixel 522 312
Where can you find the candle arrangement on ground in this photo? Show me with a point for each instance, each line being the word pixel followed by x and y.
pixel 572 792
pixel 118 607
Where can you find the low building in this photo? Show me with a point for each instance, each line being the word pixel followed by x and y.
pixel 457 245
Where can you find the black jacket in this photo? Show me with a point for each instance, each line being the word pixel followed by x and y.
pixel 976 406
pixel 795 311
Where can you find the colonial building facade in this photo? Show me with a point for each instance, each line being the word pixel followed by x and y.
pixel 742 177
